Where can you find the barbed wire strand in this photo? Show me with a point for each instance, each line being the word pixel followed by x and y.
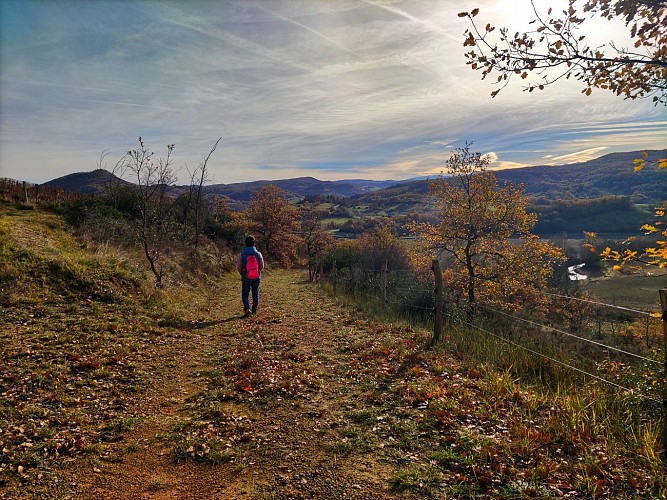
pixel 599 344
pixel 406 292
pixel 409 305
pixel 645 313
pixel 583 339
pixel 566 365
pixel 398 291
pixel 563 332
pixel 627 389
pixel 628 309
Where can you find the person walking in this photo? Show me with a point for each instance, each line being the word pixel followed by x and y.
pixel 249 265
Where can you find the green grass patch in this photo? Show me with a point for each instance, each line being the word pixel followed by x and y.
pixel 419 479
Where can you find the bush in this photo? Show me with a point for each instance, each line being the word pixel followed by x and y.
pixel 77 212
pixel 346 255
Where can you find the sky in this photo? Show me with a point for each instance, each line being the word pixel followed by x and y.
pixel 333 89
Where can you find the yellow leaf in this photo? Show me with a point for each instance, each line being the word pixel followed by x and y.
pixel 639 165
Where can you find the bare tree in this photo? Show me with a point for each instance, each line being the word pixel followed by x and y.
pixel 198 177
pixel 316 238
pixel 153 179
pixel 113 182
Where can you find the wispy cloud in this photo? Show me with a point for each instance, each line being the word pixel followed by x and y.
pixel 324 37
pixel 577 156
pixel 334 88
pixel 425 23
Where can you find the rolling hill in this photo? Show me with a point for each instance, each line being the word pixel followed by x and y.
pixel 94 182
pixel 299 187
pixel 610 174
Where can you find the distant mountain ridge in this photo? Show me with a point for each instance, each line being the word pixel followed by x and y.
pixel 611 174
pixel 299 187
pixel 94 182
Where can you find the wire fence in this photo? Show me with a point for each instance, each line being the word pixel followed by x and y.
pixel 620 347
pixel 24 192
pixel 559 362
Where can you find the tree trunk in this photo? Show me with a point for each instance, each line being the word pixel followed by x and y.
pixel 437 327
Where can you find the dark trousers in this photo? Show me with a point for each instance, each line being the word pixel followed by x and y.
pixel 246 288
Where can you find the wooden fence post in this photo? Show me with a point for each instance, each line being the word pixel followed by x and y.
pixel 383 279
pixel 663 303
pixel 437 328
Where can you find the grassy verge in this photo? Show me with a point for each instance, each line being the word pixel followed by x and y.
pixel 495 422
pixel 78 330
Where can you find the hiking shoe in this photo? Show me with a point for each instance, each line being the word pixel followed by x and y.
pixel 246 313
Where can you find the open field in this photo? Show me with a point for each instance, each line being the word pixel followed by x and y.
pixel 633 291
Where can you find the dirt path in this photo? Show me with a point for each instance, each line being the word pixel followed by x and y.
pixel 274 388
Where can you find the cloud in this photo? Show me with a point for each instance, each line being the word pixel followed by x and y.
pixel 332 88
pixel 495 163
pixel 577 156
pixel 424 23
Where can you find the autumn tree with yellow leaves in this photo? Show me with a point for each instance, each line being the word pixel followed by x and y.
pixel 655 256
pixel 649 256
pixel 275 222
pixel 483 236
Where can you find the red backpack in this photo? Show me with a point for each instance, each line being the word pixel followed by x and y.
pixel 251 267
